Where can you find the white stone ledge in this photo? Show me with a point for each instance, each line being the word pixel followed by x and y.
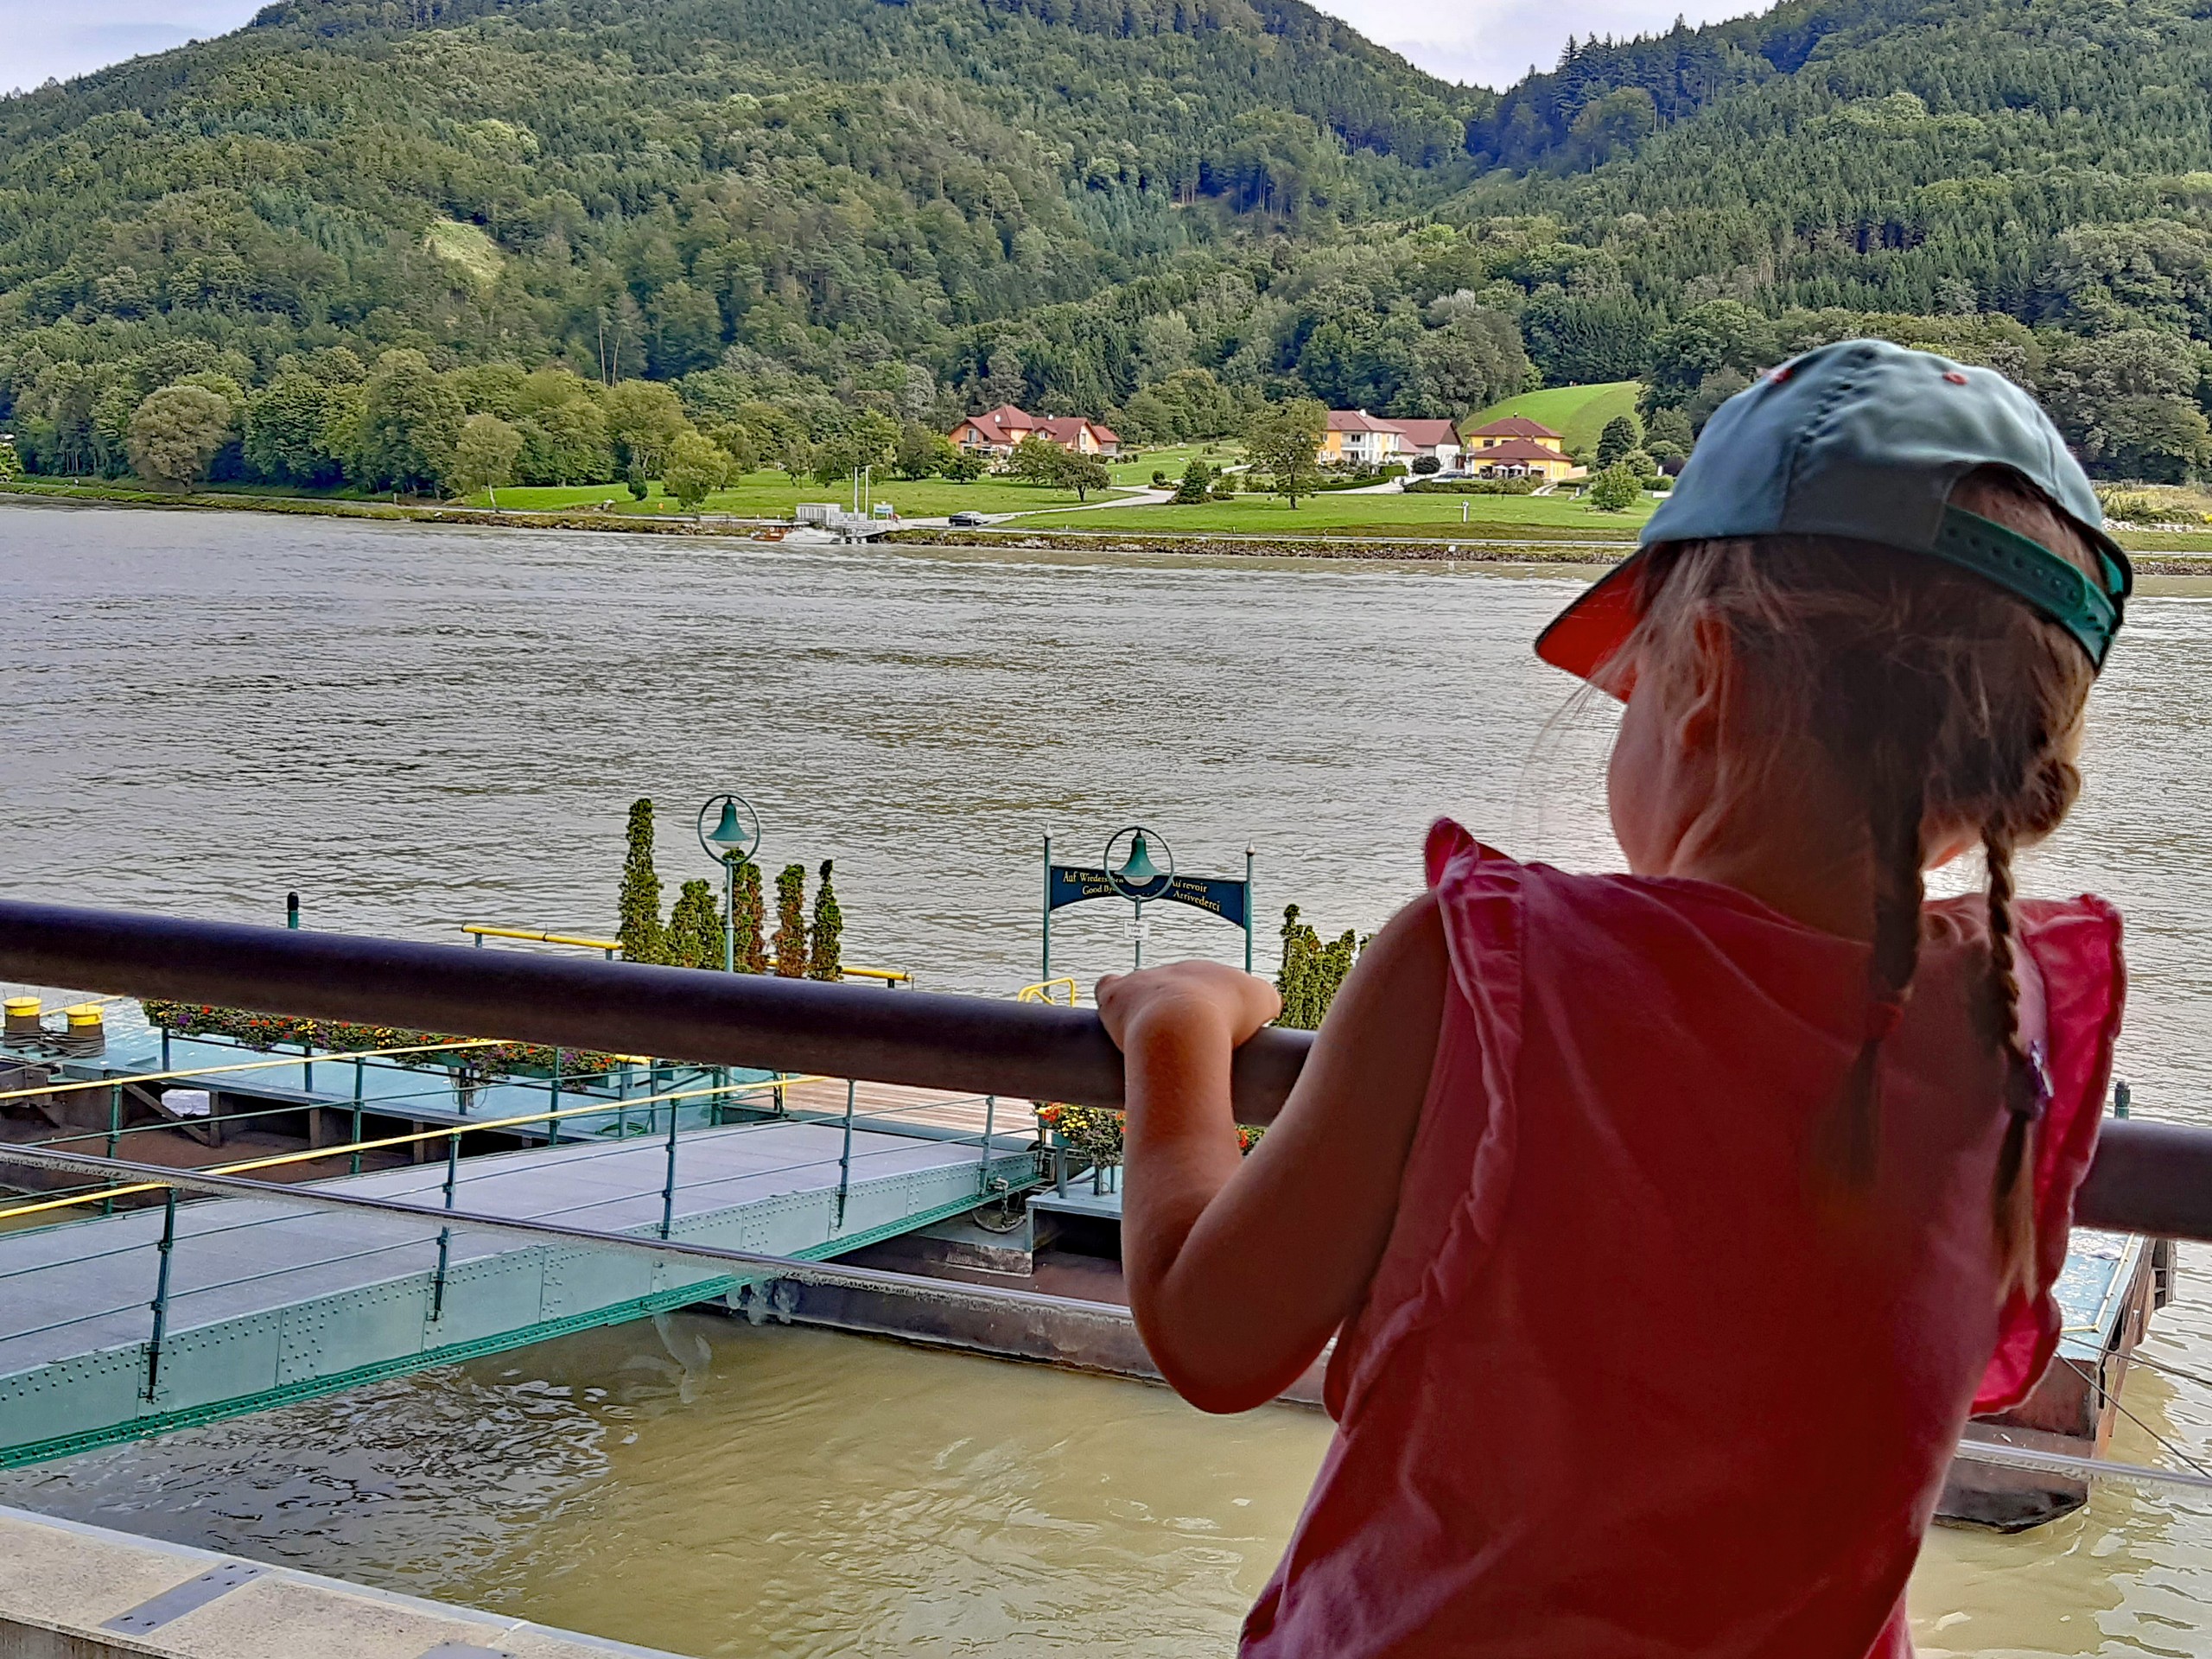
pixel 61 1581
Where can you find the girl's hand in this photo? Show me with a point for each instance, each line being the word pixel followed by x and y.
pixel 1185 996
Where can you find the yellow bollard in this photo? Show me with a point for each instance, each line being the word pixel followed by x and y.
pixel 87 1031
pixel 23 1016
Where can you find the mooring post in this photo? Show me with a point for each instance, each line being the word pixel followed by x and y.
pixel 162 1294
pixel 845 1158
pixel 361 1077
pixel 668 1181
pixel 445 1234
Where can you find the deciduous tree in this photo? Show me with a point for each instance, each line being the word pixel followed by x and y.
pixel 175 433
pixel 696 469
pixel 1285 444
pixel 484 457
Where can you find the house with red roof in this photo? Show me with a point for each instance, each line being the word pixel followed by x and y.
pixel 1354 437
pixel 996 432
pixel 1516 447
pixel 1426 437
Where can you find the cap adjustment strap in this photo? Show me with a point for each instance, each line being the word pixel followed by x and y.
pixel 2056 587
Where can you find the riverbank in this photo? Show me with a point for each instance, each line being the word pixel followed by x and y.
pixel 2156 553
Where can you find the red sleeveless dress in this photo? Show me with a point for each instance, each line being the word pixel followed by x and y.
pixel 1620 1387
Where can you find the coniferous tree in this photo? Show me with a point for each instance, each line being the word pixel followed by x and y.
pixel 825 949
pixel 695 927
pixel 639 930
pixel 752 921
pixel 1312 973
pixel 790 922
pixel 1621 434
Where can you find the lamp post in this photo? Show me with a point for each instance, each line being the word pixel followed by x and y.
pixel 1138 878
pixel 735 835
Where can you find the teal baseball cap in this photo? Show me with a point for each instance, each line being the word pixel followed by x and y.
pixel 1867 440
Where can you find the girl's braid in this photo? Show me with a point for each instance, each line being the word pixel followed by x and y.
pixel 2013 1197
pixel 1895 732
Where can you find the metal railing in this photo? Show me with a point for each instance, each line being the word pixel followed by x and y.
pixel 2148 1177
pixel 893 977
pixel 1060 991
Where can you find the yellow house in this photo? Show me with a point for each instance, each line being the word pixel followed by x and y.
pixel 1517 447
pixel 1354 435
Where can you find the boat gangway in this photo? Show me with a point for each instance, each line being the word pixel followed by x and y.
pixel 2150 1180
pixel 122 1324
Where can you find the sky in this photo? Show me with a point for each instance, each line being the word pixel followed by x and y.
pixel 1487 42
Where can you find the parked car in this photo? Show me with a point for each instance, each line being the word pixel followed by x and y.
pixel 969 520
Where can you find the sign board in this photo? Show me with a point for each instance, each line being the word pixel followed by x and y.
pixel 1074 883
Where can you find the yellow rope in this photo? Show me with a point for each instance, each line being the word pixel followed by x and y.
pixel 411 1138
pixel 249 1065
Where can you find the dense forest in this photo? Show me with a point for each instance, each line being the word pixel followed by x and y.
pixel 333 239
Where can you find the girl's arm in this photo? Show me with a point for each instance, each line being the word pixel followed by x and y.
pixel 1240 1269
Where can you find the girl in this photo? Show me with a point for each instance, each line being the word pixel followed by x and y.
pixel 1672 1224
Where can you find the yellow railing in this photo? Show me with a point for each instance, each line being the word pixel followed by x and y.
pixel 600 1108
pixel 887 975
pixel 1049 990
pixel 482 933
pixel 248 1065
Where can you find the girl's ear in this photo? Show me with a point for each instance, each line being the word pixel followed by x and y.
pixel 1711 681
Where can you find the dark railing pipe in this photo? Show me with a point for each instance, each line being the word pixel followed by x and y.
pixel 2149 1177
pixel 972 1044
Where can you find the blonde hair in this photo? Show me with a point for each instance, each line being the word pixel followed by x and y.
pixel 1948 705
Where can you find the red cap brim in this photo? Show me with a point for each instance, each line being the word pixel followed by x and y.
pixel 1581 638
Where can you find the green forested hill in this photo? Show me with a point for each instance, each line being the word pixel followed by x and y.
pixel 802 212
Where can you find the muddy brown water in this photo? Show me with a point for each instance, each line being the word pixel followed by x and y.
pixel 416 727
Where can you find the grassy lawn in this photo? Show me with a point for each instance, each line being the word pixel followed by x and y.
pixel 1173 460
pixel 772 495
pixel 1381 515
pixel 1578 414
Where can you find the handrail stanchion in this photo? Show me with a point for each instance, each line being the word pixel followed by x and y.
pixel 114 1133
pixel 360 1079
pixel 668 1181
pixel 162 1294
pixel 991 1114
pixel 445 1234
pixel 845 1158
pixel 553 1103
pixel 1060 1165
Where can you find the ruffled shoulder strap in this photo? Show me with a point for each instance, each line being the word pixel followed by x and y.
pixel 2075 947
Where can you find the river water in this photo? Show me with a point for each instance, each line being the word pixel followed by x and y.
pixel 417 727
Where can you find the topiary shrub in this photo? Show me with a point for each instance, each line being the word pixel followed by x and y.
pixel 638 929
pixel 790 922
pixel 825 952
pixel 752 921
pixel 1311 972
pixel 694 928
